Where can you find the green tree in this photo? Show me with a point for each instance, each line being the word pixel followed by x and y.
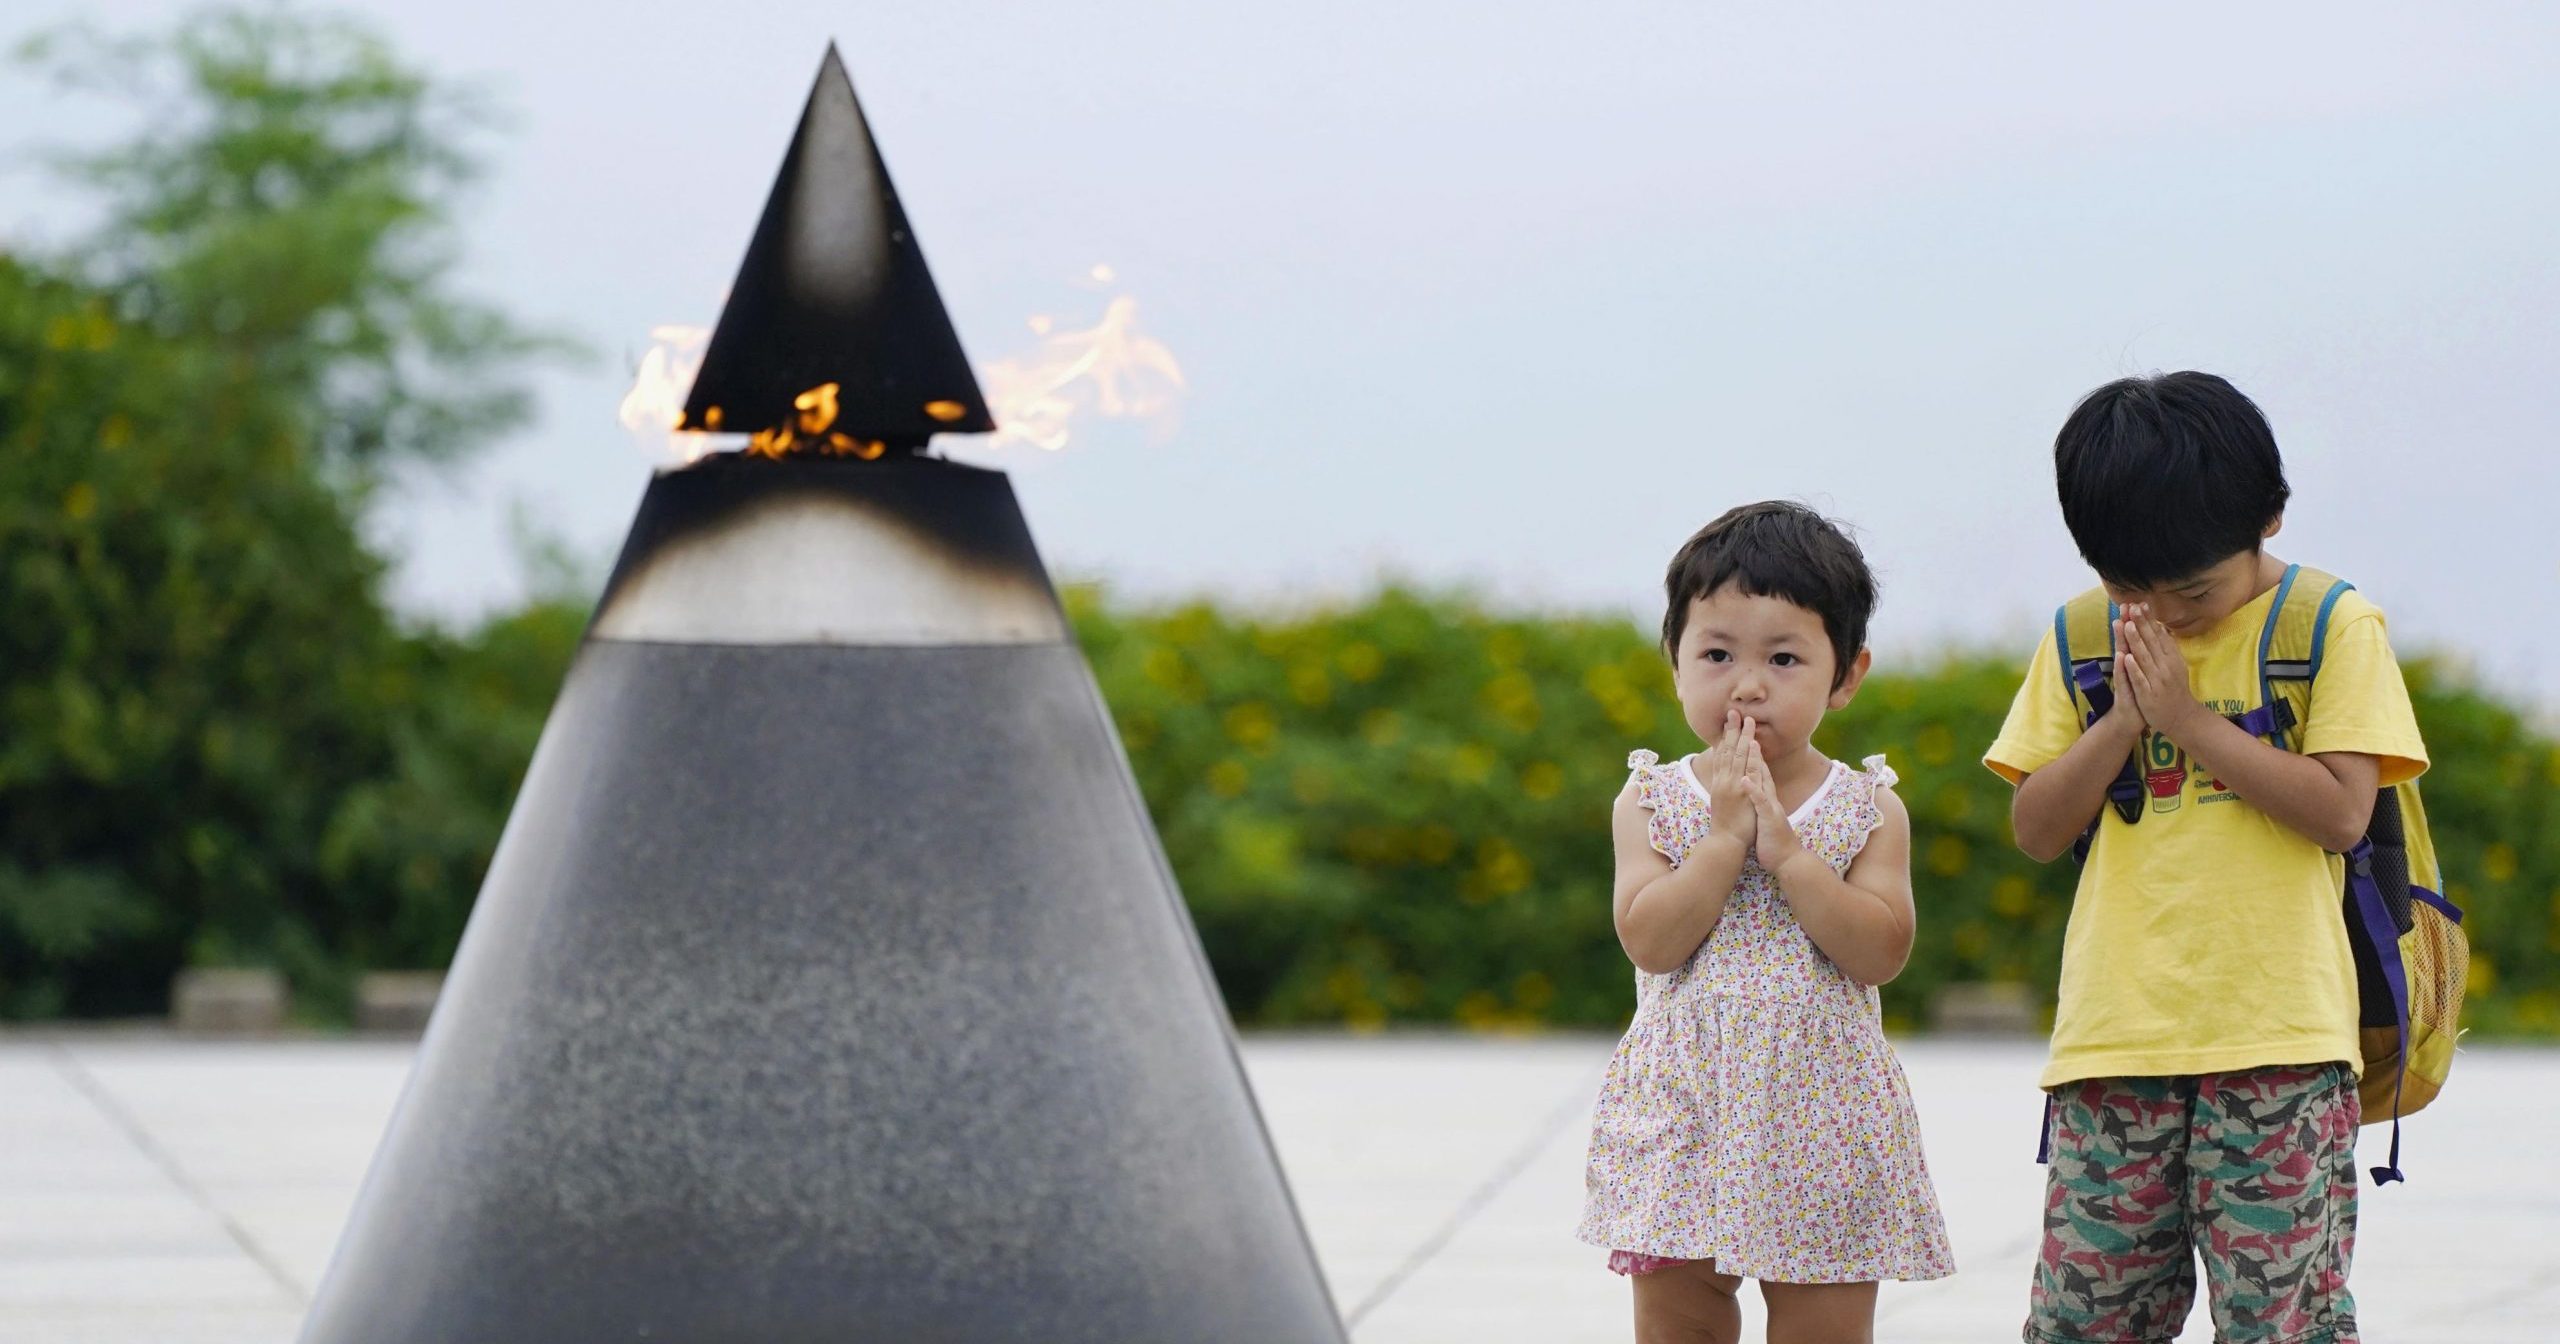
pixel 291 197
pixel 216 744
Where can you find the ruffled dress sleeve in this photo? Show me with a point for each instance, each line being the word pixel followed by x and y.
pixel 1879 776
pixel 1647 780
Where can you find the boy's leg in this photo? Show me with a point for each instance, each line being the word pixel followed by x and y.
pixel 1687 1302
pixel 1820 1313
pixel 2272 1163
pixel 2114 1265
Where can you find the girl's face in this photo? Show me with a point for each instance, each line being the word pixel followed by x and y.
pixel 1764 657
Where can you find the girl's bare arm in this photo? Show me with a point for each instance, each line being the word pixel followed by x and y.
pixel 1862 921
pixel 1663 913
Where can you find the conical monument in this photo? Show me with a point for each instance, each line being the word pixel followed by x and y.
pixel 829 983
pixel 834 290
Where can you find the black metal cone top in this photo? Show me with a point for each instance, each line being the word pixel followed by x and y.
pixel 834 290
pixel 828 984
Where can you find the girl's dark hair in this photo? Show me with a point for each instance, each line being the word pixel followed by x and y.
pixel 2167 476
pixel 1777 549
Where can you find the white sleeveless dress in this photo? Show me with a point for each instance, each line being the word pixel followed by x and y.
pixel 1754 1113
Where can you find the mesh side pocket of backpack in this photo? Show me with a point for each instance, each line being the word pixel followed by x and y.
pixel 2439 962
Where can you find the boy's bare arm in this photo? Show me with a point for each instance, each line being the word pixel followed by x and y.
pixel 1663 913
pixel 2327 798
pixel 2054 805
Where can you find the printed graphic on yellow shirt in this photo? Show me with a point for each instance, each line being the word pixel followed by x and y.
pixel 2164 772
pixel 2215 791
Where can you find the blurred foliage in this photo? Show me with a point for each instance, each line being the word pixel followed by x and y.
pixel 1398 811
pixel 290 196
pixel 216 745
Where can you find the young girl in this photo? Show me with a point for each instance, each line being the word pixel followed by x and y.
pixel 1754 1123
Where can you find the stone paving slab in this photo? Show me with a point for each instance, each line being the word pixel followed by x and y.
pixel 161 1191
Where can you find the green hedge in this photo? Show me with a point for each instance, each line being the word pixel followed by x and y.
pixel 1397 811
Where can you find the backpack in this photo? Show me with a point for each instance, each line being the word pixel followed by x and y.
pixel 2411 957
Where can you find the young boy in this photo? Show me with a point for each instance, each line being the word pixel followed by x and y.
pixel 2204 1058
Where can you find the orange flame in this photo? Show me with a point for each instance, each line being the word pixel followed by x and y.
pixel 813 430
pixel 654 407
pixel 1109 370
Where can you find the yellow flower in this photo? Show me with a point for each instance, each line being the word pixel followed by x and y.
pixel 1480 1011
pixel 1252 725
pixel 1310 683
pixel 1533 991
pixel 1513 699
pixel 1361 660
pixel 1228 777
pixel 1541 780
pixel 2498 862
pixel 1500 870
pixel 1949 855
pixel 1168 669
pixel 2013 896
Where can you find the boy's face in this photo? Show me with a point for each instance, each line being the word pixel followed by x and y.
pixel 1764 657
pixel 2191 606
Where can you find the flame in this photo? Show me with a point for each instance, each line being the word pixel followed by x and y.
pixel 1108 369
pixel 654 407
pixel 813 430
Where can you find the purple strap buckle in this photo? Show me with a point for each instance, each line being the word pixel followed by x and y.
pixel 2266 720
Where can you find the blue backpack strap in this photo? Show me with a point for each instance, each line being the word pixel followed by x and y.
pixel 2263 724
pixel 2087 680
pixel 2379 929
pixel 2062 649
pixel 2289 653
pixel 2320 624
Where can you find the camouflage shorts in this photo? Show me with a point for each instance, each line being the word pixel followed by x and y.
pixel 2255 1171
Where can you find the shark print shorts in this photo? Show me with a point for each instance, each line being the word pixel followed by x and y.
pixel 2253 1171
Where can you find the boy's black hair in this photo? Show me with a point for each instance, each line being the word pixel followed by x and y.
pixel 2166 476
pixel 1777 549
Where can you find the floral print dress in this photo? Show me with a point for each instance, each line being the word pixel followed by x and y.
pixel 1753 1113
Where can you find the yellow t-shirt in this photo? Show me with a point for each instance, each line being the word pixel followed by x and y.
pixel 2207 937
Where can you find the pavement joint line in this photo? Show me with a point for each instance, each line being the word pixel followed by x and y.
pixel 87 1085
pixel 1575 1103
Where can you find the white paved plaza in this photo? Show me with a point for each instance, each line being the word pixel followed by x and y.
pixel 162 1191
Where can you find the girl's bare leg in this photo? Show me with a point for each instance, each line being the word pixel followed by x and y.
pixel 1688 1303
pixel 1820 1313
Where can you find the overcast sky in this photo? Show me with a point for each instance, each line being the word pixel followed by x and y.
pixel 1518 295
